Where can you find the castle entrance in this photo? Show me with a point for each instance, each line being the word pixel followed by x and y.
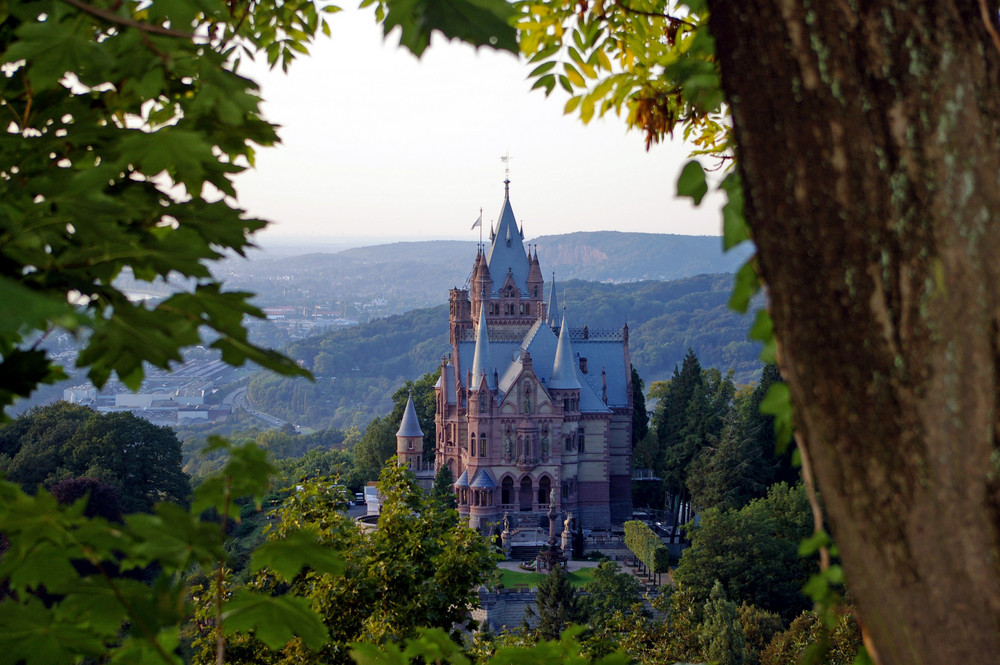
pixel 525 495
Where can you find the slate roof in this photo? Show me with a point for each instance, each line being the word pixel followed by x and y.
pixel 463 480
pixel 410 425
pixel 481 361
pixel 507 250
pixel 484 481
pixel 564 365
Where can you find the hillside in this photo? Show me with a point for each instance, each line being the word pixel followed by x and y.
pixel 358 368
pixel 380 280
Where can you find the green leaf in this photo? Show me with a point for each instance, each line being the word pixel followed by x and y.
pixel 435 646
pixel 692 182
pixel 813 543
pixel 745 286
pixel 778 403
pixel 22 371
pixel 762 330
pixel 32 635
pixel 35 309
pixel 275 619
pixel 477 22
pixel 371 654
pixel 297 550
pixel 543 68
pixel 734 224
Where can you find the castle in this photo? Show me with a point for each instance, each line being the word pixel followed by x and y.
pixel 529 411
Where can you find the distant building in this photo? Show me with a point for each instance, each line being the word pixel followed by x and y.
pixel 529 410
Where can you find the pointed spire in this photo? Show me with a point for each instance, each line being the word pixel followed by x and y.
pixel 507 246
pixel 481 364
pixel 410 425
pixel 563 370
pixel 553 307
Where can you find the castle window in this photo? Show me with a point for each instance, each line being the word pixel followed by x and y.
pixel 581 441
pixel 544 487
pixel 482 445
pixel 507 490
pixel 472 443
pixel 482 402
pixel 409 444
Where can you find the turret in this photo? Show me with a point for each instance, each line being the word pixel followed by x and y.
pixel 536 282
pixel 482 365
pixel 552 308
pixel 410 438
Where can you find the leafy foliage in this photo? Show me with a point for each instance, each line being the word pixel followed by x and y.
pixel 67 574
pixel 811 639
pixel 140 462
pixel 557 606
pixel 418 568
pixel 722 635
pixel 753 552
pixel 636 57
pixel 477 22
pixel 120 142
pixel 611 591
pixel 646 546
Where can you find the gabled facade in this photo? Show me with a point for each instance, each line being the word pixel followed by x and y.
pixel 531 412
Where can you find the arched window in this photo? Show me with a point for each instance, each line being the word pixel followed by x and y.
pixel 482 445
pixel 524 497
pixel 507 490
pixel 472 443
pixel 544 487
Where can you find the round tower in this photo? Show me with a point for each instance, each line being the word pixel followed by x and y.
pixel 410 439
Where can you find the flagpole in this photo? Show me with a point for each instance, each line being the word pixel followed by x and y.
pixel 480 227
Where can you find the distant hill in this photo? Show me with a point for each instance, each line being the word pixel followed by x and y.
pixel 359 368
pixel 407 275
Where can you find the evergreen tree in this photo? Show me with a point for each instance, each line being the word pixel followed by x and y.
pixel 759 428
pixel 557 605
pixel 722 638
pixel 731 471
pixel 640 419
pixel 443 491
pixel 759 628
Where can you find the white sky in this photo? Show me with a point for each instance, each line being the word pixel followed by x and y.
pixel 378 145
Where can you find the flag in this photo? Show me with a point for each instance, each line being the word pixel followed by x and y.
pixel 478 222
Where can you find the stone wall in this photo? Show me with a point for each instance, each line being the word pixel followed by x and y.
pixel 504 608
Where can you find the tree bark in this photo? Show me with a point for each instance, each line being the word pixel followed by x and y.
pixel 868 141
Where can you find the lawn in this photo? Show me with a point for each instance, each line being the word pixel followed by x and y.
pixel 511 577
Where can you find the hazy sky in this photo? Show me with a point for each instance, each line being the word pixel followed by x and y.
pixel 378 144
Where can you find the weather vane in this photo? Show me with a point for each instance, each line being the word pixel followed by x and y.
pixel 505 158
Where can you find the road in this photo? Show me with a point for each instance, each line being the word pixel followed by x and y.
pixel 238 400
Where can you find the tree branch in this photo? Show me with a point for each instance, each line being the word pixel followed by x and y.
pixel 111 17
pixel 641 12
pixel 990 28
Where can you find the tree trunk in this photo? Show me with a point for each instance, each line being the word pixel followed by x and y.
pixel 869 147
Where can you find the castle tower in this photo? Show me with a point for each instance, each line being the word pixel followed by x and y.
pixel 533 418
pixel 410 446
